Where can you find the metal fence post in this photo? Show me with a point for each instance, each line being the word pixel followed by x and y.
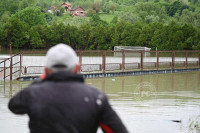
pixel 4 72
pixel 25 70
pixel 173 54
pixel 20 68
pixel 104 61
pixel 123 60
pixel 186 59
pixel 11 61
pixel 141 60
pixel 157 63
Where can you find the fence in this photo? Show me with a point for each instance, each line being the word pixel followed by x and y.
pixel 119 61
pixel 11 67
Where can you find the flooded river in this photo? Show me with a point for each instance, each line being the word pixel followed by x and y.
pixel 162 103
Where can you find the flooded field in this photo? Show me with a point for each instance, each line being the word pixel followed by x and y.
pixel 162 103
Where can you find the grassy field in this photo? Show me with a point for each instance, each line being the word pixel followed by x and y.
pixel 107 17
pixel 67 19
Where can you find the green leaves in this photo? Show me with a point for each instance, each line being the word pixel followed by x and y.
pixel 31 16
pixel 167 25
pixel 95 20
pixel 16 33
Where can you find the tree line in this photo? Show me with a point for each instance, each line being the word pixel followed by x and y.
pixel 165 25
pixel 29 29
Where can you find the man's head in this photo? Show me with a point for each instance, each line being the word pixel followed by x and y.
pixel 61 57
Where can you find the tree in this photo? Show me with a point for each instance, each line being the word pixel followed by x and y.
pixel 95 20
pixel 14 6
pixel 84 32
pixel 35 39
pixel 90 12
pixel 196 39
pixel 114 20
pixel 73 35
pixel 189 17
pixel 55 34
pixel 99 38
pixel 48 17
pixel 3 39
pixel 150 11
pixel 146 35
pixel 23 4
pixel 128 17
pixel 106 7
pixel 176 7
pixel 116 35
pixel 96 6
pixel 31 16
pixel 112 7
pixel 152 19
pixel 16 33
pixel 130 35
pixel 5 18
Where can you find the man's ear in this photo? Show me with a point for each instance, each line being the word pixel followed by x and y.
pixel 77 68
pixel 46 71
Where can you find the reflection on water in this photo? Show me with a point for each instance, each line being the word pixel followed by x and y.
pixel 163 103
pixel 9 122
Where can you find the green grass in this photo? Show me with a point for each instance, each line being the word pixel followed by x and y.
pixel 107 17
pixel 67 19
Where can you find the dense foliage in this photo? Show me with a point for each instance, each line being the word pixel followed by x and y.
pixel 161 24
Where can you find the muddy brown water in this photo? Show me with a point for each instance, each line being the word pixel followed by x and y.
pixel 161 103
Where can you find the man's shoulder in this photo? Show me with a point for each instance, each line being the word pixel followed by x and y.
pixel 35 85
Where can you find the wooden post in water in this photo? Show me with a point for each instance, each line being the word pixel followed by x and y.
pixel 172 81
pixel 103 88
pixel 4 86
pixel 10 88
pixel 123 86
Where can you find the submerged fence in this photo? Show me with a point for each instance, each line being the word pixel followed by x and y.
pixel 11 67
pixel 119 61
pixel 33 62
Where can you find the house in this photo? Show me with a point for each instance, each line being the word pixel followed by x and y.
pixel 51 9
pixel 67 6
pixel 77 11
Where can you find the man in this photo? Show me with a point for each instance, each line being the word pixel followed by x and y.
pixel 62 103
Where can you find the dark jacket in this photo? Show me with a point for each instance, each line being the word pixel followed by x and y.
pixel 62 103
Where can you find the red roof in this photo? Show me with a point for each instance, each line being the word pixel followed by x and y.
pixel 77 7
pixel 66 4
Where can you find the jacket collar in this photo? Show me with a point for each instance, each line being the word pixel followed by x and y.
pixel 64 76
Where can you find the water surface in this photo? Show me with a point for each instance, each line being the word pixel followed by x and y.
pixel 162 103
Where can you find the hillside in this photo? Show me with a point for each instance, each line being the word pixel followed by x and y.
pixel 162 24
